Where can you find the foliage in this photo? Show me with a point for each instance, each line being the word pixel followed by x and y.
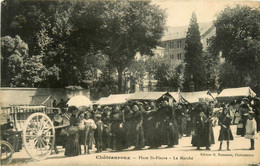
pixel 229 76
pixel 170 75
pixel 212 69
pixel 131 27
pixel 195 69
pixel 237 38
pixel 14 51
pixel 70 41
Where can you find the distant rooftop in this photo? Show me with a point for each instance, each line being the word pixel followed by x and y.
pixel 179 32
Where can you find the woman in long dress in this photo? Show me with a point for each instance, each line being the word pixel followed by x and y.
pixel 72 146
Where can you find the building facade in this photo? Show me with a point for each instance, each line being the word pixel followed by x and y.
pixel 174 40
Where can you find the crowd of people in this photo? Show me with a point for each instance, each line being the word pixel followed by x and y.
pixel 154 124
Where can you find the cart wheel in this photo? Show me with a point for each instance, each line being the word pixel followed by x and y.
pixel 38 136
pixel 6 153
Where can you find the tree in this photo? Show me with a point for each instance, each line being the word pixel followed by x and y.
pixel 170 75
pixel 228 76
pixel 62 35
pixel 194 69
pixel 70 37
pixel 14 51
pixel 237 38
pixel 131 27
pixel 212 68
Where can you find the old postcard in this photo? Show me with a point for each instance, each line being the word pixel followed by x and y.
pixel 130 82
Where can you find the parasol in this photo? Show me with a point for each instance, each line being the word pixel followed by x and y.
pixel 79 101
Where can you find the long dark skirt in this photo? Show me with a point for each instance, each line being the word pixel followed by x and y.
pixel 118 137
pixel 188 128
pixel 204 136
pixel 225 134
pixel 150 132
pixel 160 136
pixel 72 147
pixel 106 137
pixel 139 137
pixel 173 134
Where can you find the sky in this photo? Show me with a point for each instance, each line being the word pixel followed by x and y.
pixel 179 11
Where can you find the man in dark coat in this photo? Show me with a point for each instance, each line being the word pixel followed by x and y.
pixel 204 135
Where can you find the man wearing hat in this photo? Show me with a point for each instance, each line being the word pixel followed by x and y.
pixel 244 108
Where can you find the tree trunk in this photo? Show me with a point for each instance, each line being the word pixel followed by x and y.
pixel 120 79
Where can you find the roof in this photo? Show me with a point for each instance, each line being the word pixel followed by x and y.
pixel 114 99
pixel 193 97
pixel 101 101
pixel 235 93
pixel 176 96
pixel 214 94
pixel 147 95
pixel 180 32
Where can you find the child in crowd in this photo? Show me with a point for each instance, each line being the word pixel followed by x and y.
pixel 251 132
pixel 225 131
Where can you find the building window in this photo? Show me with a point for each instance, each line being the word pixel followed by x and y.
pixel 179 56
pixel 171 56
pixel 171 45
pixel 165 45
pixel 178 44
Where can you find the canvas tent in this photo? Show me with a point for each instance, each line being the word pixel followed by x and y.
pixel 101 101
pixel 193 97
pixel 177 97
pixel 114 99
pixel 151 96
pixel 235 93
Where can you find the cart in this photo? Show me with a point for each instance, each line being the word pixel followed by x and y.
pixel 35 127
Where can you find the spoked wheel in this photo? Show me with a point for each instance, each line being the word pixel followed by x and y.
pixel 6 153
pixel 38 136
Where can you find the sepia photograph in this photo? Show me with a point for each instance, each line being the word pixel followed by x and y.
pixel 130 82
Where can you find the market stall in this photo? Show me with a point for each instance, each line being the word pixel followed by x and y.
pixel 232 94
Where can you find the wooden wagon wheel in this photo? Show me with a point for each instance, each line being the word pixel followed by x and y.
pixel 6 152
pixel 38 136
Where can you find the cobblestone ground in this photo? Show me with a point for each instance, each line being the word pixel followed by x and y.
pixel 183 154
